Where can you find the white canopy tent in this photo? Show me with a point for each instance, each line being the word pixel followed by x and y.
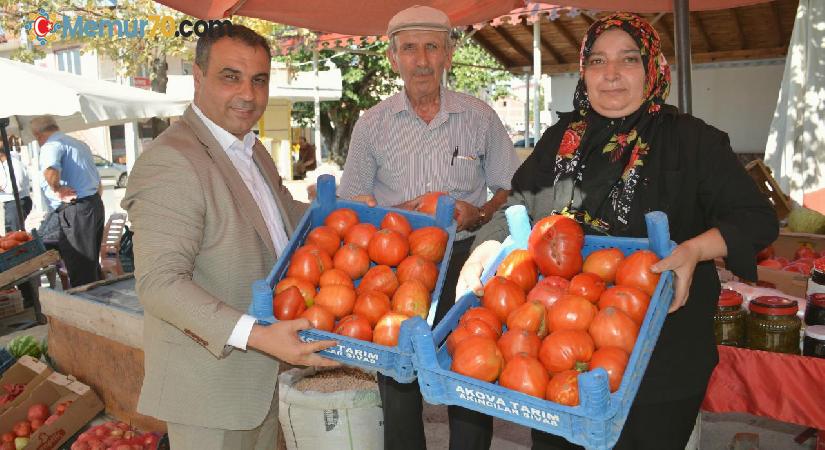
pixel 795 150
pixel 76 102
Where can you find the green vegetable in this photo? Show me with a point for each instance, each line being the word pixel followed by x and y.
pixel 804 220
pixel 25 345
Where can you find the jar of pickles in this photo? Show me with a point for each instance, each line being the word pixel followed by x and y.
pixel 815 310
pixel 729 320
pixel 773 326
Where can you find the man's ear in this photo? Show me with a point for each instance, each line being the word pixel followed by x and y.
pixel 391 58
pixel 197 76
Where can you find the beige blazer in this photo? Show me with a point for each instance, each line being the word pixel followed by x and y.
pixel 200 242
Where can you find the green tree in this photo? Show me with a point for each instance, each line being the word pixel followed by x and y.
pixel 368 78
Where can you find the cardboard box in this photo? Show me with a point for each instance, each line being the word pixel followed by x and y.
pixel 55 389
pixel 28 371
pixel 786 244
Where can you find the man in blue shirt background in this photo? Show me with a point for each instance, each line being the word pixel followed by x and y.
pixel 70 173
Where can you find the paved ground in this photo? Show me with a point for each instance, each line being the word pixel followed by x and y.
pixel 717 430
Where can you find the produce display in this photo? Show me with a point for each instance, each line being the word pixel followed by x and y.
pixel 115 435
pixel 38 415
pixel 359 280
pixel 26 345
pixel 548 314
pixel 13 239
pixel 802 262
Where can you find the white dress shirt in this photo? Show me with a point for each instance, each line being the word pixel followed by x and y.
pixel 21 175
pixel 240 153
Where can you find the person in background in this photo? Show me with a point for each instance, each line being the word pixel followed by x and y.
pixel 12 221
pixel 622 153
pixel 69 172
pixel 306 158
pixel 210 216
pixel 427 138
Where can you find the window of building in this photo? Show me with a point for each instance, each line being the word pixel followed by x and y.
pixel 68 60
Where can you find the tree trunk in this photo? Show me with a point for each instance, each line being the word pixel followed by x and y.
pixel 160 68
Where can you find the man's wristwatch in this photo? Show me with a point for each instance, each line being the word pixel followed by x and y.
pixel 482 216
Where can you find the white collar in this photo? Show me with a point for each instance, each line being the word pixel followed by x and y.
pixel 226 139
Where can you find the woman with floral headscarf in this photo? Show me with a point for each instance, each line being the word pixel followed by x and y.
pixel 622 153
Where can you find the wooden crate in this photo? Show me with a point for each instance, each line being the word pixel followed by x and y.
pixel 761 174
pixel 11 302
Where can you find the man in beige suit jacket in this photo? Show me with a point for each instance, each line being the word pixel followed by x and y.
pixel 210 216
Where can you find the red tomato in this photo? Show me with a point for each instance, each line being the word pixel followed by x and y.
pixel 22 428
pixel 478 357
pixel 8 437
pixel 429 202
pixel 352 260
pixel 335 276
pixel 472 327
pixel 613 360
pixel 530 316
pixel 412 298
pixel 325 238
pixel 571 312
pixel 782 260
pixel 519 267
pixel 288 304
pixel 306 288
pixel 360 234
pixel 429 242
pixel 355 327
pixel 513 342
pixel 341 220
pixel 40 411
pixel 502 296
pixel 555 281
pixel 379 278
pixel 484 314
pixel 804 251
pixel 387 329
pixel 396 222
pixel 525 374
pixel 771 264
pixel 798 268
pixel 612 327
pixel 415 267
pixel 388 247
pixel 630 300
pixel 337 299
pixel 587 285
pixel 765 253
pixel 308 262
pixel 604 263
pixel 547 295
pixel 319 317
pixel 563 388
pixel 21 236
pixel 635 271
pixel 565 350
pixel 372 306
pixel 556 244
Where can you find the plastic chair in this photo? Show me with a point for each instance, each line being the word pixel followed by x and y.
pixel 110 263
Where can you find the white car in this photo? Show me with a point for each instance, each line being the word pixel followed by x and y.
pixel 108 169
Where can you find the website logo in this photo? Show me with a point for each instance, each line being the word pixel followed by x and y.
pixel 42 29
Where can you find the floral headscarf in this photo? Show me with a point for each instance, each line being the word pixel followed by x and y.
pixel 634 133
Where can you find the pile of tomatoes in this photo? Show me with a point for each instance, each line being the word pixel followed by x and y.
pixel 13 239
pixel 580 315
pixel 396 265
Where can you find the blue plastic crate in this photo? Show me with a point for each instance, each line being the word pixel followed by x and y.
pixel 6 360
pixel 598 420
pixel 395 362
pixel 22 252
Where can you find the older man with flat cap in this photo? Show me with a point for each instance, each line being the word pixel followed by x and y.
pixel 427 138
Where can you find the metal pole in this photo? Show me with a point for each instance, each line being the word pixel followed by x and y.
pixel 526 108
pixel 4 122
pixel 681 20
pixel 317 95
pixel 537 106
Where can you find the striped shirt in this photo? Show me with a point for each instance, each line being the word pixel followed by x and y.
pixel 395 156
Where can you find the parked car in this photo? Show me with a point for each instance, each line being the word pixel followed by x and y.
pixel 108 169
pixel 520 143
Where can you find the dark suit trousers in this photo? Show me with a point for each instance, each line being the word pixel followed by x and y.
pixel 402 402
pixel 81 233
